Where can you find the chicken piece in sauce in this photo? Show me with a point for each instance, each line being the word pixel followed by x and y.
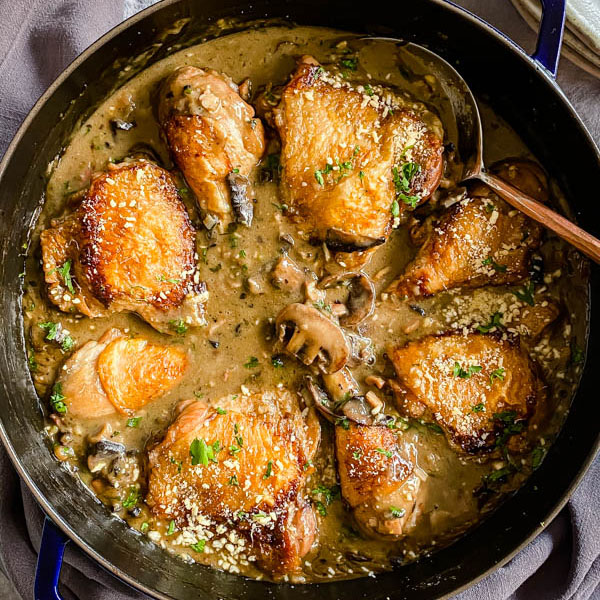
pixel 240 465
pixel 480 389
pixel 118 374
pixel 128 246
pixel 349 158
pixel 215 140
pixel 377 477
pixel 480 240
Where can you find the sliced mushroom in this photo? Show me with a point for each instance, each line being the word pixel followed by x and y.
pixel 341 385
pixel 361 296
pixel 103 454
pixel 342 241
pixel 349 406
pixel 309 335
pixel 287 275
pixel 240 203
pixel 361 350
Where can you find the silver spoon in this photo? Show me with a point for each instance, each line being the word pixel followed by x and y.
pixel 469 136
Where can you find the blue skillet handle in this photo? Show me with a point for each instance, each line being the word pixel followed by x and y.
pixel 550 35
pixel 50 558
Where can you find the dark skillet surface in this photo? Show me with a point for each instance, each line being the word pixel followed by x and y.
pixel 531 105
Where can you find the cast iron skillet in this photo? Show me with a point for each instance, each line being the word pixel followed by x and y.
pixel 520 88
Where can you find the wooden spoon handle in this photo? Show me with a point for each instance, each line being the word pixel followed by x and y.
pixel 583 241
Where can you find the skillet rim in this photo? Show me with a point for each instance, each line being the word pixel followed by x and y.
pixel 48 508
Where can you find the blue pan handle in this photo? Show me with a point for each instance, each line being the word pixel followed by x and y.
pixel 50 558
pixel 550 35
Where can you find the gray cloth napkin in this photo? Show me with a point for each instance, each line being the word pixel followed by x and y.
pixel 38 38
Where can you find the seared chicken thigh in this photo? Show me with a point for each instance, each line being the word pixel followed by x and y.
pixel 118 374
pixel 478 388
pixel 240 467
pixel 480 240
pixel 129 246
pixel 377 478
pixel 351 162
pixel 215 140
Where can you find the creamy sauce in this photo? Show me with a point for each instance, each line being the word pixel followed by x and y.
pixel 236 348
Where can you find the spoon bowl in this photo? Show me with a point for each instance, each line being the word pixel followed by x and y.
pixel 467 136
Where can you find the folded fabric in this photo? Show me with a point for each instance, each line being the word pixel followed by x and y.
pixel 38 38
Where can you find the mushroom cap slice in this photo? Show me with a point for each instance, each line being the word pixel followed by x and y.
pixel 309 335
pixel 361 295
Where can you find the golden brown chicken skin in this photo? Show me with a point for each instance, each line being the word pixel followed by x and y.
pixel 214 138
pixel 129 246
pixel 377 478
pixel 480 389
pixel 480 240
pixel 118 374
pixel 349 159
pixel 240 467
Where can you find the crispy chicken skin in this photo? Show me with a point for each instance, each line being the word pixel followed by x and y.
pixel 348 203
pixel 470 385
pixel 118 374
pixel 254 484
pixel 212 134
pixel 377 478
pixel 480 240
pixel 129 246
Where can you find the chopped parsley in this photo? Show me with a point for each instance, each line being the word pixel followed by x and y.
pixel 395 208
pixel 498 475
pixel 320 305
pixel 65 273
pixel 489 261
pixel 458 371
pixel 369 90
pixel 307 465
pixel 277 362
pixel 477 408
pixel 252 363
pixel 144 527
pixel 55 332
pixel 233 480
pixel 221 411
pixel 577 355
pixel 171 529
pixel 350 63
pixel 167 279
pixel 343 422
pixel 537 456
pixel 402 182
pixel 178 326
pixel 132 498
pixel 384 452
pixel 269 470
pixel 327 495
pixel 320 172
pixel 497 374
pixel 356 455
pixel 134 422
pixel 198 546
pixel 201 452
pixel 397 513
pixel 434 427
pixel 496 321
pixel 33 365
pixel 526 294
pixel 509 426
pixel 57 399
